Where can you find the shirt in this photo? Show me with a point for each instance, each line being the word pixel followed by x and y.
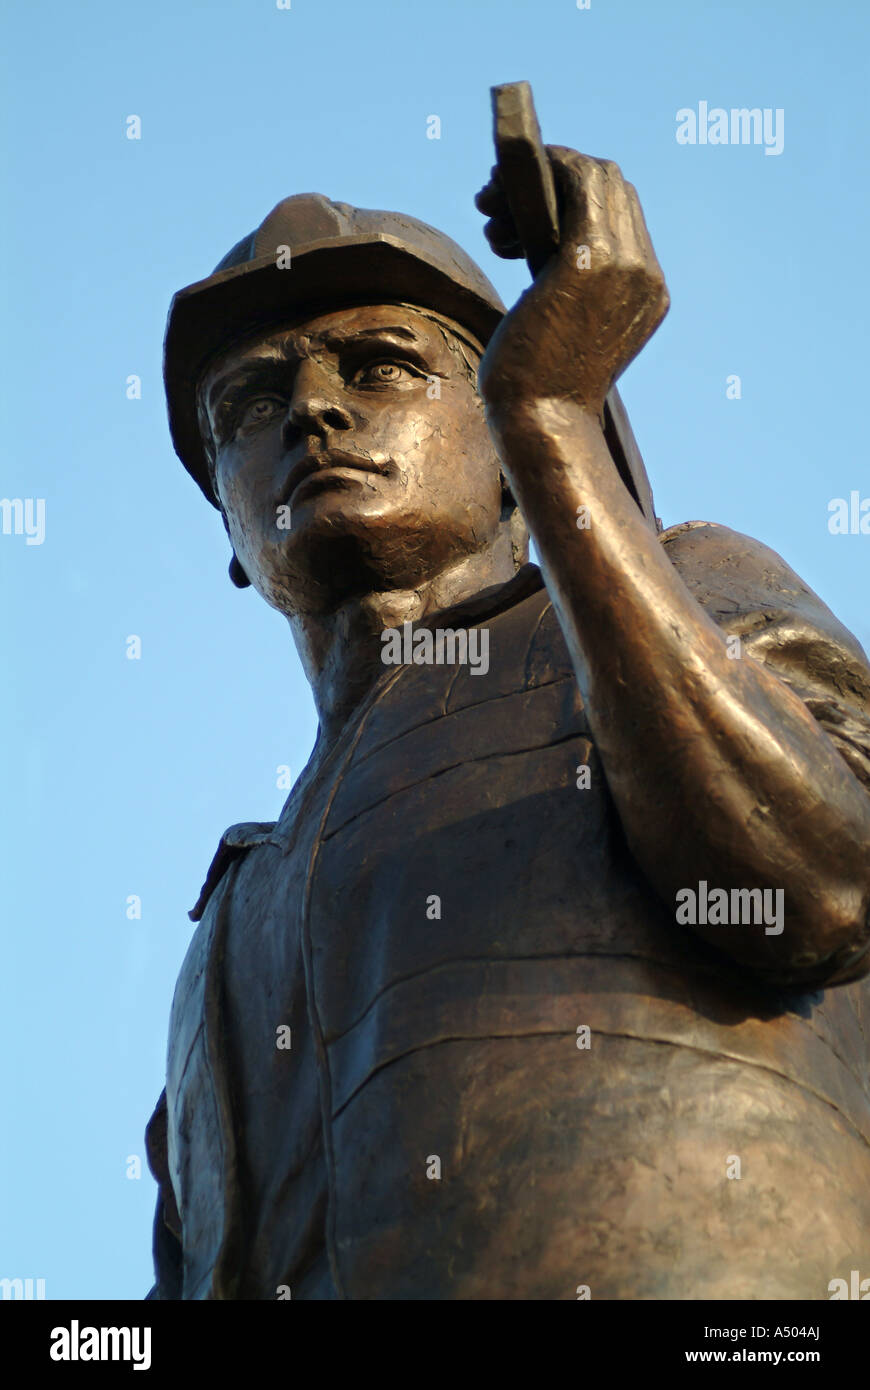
pixel 510 1072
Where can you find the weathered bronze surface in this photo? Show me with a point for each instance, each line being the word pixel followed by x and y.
pixel 515 1070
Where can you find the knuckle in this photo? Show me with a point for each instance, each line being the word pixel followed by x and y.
pixel 572 160
pixel 611 169
pixel 601 250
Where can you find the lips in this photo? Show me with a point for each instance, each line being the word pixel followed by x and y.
pixel 317 460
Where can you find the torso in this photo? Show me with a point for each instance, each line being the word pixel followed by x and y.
pixel 450 1032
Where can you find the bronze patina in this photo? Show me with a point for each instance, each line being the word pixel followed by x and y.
pixel 549 981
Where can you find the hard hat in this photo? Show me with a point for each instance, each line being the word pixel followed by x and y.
pixel 338 255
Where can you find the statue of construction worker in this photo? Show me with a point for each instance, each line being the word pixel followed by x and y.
pixel 548 982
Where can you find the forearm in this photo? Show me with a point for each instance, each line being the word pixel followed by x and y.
pixel 718 771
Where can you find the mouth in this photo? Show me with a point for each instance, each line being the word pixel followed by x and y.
pixel 316 461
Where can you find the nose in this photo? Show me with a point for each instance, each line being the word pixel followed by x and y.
pixel 316 405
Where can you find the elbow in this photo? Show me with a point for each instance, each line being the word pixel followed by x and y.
pixel 828 946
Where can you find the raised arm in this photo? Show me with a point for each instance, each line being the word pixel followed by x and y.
pixel 719 771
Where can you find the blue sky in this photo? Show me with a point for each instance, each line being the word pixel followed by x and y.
pixel 121 775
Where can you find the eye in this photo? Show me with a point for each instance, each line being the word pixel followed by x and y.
pixel 258 411
pixel 384 373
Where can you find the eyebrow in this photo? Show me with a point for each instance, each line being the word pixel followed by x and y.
pixel 395 330
pixel 287 351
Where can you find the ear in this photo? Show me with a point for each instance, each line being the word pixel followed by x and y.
pixel 238 576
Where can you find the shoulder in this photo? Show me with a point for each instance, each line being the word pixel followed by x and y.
pixel 751 593
pixel 739 580
pixel 720 558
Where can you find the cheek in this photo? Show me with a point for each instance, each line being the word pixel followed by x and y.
pixel 465 456
pixel 247 479
pixel 247 486
pixel 445 442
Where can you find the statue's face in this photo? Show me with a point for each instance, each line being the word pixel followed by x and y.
pixel 351 453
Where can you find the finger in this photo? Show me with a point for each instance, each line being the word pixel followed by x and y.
pixel 641 231
pixel 581 188
pixel 503 239
pixel 492 191
pixel 628 245
pixel 501 229
pixel 491 200
pixel 611 169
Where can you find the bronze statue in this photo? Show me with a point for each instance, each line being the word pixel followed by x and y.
pixel 549 980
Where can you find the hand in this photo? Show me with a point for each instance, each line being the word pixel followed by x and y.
pixel 593 305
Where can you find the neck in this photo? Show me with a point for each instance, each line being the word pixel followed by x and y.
pixel 341 649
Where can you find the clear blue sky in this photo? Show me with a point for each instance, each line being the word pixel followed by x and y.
pixel 121 775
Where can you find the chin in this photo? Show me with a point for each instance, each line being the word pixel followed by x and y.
pixel 342 551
